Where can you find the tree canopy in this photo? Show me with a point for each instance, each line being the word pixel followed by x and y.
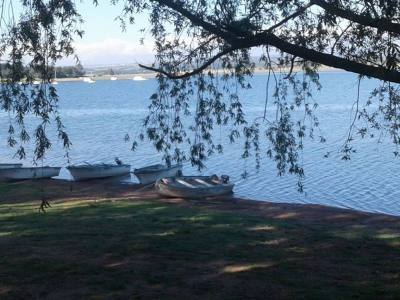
pixel 203 55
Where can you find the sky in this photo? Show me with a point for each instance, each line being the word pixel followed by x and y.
pixel 104 42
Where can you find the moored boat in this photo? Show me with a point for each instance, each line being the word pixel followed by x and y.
pixel 138 78
pixel 151 174
pixel 23 173
pixel 88 80
pixel 88 171
pixel 194 186
pixel 10 166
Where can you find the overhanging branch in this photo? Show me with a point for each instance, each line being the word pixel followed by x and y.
pixel 381 24
pixel 267 38
pixel 323 58
pixel 195 71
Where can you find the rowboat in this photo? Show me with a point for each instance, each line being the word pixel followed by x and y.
pixel 10 166
pixel 194 186
pixel 20 173
pixel 88 171
pixel 152 173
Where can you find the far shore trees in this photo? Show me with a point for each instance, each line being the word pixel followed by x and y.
pixel 70 71
pixel 203 54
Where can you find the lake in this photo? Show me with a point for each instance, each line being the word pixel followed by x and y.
pixel 98 116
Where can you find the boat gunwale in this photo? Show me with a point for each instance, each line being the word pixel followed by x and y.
pixel 76 167
pixel 179 186
pixel 30 168
pixel 152 169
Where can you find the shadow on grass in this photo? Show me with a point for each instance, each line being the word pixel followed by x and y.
pixel 159 250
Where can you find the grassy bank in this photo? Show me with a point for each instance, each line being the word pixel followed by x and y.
pixel 121 246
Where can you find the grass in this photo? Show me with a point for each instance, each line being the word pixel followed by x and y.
pixel 152 249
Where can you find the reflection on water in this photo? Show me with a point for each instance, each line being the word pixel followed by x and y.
pixel 98 116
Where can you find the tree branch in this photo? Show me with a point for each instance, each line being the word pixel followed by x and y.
pixel 288 18
pixel 267 38
pixel 178 6
pixel 195 71
pixel 381 24
pixel 323 58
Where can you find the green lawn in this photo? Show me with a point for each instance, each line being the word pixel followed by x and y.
pixel 152 249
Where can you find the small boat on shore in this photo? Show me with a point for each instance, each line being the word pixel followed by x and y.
pixel 88 171
pixel 23 173
pixel 10 166
pixel 113 78
pixel 151 174
pixel 194 186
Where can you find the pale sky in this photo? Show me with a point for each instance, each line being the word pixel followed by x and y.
pixel 104 43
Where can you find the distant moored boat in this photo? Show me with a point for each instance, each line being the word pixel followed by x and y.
pixel 88 80
pixel 113 78
pixel 138 78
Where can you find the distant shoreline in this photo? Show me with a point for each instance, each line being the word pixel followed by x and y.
pixel 153 75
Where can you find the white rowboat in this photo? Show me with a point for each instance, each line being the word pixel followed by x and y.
pixel 152 173
pixel 193 186
pixel 20 173
pixel 10 166
pixel 85 172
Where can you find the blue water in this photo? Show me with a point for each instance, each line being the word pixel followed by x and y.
pixel 98 116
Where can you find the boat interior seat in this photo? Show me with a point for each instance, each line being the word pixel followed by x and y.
pixel 203 182
pixel 183 182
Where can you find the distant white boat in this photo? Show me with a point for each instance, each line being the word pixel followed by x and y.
pixel 88 80
pixel 113 78
pixel 88 171
pixel 152 173
pixel 20 173
pixel 194 186
pixel 138 78
pixel 10 166
pixel 54 81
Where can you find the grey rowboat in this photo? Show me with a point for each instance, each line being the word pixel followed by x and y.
pixel 193 186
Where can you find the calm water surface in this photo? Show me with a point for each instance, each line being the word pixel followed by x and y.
pixel 98 116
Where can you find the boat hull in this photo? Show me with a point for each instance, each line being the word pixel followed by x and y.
pixel 148 175
pixel 196 192
pixel 88 172
pixel 29 173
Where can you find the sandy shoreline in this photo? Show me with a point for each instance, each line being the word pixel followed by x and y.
pixel 108 190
